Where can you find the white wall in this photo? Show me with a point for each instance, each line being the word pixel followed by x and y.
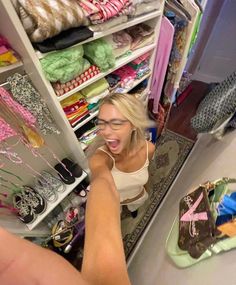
pixel 219 56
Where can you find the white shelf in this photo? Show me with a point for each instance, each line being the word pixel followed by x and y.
pixel 51 206
pixel 119 63
pixel 11 67
pixel 91 115
pixel 15 226
pixel 115 29
pixel 83 146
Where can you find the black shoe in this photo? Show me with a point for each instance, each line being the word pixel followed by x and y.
pixel 66 176
pixel 25 211
pixel 134 214
pixel 34 199
pixel 73 167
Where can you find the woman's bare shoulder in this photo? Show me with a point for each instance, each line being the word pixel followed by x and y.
pixel 151 150
pixel 99 159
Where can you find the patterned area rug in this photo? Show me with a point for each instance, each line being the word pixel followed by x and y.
pixel 171 152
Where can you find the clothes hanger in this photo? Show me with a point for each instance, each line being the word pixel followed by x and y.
pixel 182 8
pixel 171 7
pixel 199 5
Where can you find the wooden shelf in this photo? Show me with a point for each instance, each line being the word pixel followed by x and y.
pixel 61 196
pixel 98 35
pixel 119 63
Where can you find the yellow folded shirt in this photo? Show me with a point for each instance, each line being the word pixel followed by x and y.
pixel 71 99
pixel 8 57
pixel 95 88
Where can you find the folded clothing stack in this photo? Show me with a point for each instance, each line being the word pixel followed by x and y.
pixel 127 76
pixel 141 34
pixel 100 53
pixel 144 6
pixel 95 89
pixel 42 19
pixel 62 88
pixel 87 138
pixel 64 40
pixel 141 65
pixel 64 65
pixel 120 42
pixel 7 54
pixel 75 108
pixel 100 11
pixel 123 78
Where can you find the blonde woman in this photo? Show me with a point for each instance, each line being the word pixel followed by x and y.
pixel 125 154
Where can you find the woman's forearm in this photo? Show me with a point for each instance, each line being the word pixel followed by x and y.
pixel 104 259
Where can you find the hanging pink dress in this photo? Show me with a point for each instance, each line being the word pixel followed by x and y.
pixel 161 61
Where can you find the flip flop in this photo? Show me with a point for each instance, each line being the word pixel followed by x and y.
pixel 64 174
pixel 73 167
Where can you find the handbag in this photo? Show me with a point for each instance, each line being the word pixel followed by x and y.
pixel 218 105
pixel 209 241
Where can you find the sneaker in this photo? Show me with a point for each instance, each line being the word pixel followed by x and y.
pixel 55 182
pixel 45 189
pixel 25 211
pixel 34 199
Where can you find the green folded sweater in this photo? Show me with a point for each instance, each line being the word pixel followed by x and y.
pixel 100 53
pixel 64 65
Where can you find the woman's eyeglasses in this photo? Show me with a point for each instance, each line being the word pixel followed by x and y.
pixel 114 124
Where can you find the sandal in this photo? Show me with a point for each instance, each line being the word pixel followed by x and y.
pixel 65 175
pixel 73 167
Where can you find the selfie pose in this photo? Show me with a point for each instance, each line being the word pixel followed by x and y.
pixel 124 153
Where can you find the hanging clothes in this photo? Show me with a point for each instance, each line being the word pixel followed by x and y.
pixel 218 105
pixel 180 22
pixel 194 11
pixel 161 61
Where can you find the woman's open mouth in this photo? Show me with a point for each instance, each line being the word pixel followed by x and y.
pixel 113 144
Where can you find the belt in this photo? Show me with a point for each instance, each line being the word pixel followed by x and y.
pixel 127 201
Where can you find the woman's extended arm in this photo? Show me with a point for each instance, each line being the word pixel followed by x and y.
pixel 24 263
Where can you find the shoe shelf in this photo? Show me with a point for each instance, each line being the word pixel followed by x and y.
pixel 51 206
pixel 98 35
pixel 119 63
pixel 15 226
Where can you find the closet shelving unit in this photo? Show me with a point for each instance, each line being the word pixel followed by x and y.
pixel 12 29
pixel 130 23
pixel 119 63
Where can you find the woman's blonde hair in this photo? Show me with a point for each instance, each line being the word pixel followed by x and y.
pixel 134 111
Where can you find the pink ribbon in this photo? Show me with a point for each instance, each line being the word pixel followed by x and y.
pixel 190 216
